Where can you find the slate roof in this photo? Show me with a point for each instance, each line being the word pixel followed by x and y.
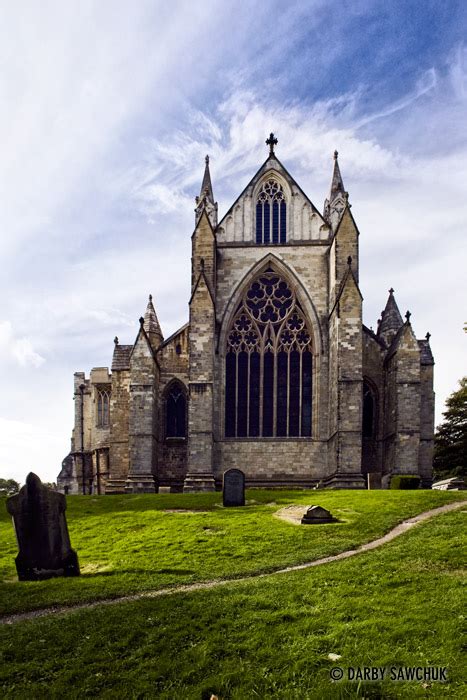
pixel 121 357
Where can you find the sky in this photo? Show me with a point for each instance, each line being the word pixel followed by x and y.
pixel 107 110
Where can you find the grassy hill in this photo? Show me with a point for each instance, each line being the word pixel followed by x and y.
pixel 268 637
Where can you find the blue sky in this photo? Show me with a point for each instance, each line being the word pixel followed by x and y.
pixel 108 110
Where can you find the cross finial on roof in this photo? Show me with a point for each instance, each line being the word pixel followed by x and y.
pixel 428 336
pixel 336 153
pixel 271 142
pixel 391 291
pixel 407 316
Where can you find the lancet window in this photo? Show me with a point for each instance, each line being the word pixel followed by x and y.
pixel 368 414
pixel 103 408
pixel 268 363
pixel 271 214
pixel 175 411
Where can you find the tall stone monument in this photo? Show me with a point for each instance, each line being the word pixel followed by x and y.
pixel 41 531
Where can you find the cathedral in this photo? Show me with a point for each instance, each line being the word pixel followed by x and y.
pixel 274 373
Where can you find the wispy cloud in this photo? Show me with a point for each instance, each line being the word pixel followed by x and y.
pixel 106 121
pixel 18 349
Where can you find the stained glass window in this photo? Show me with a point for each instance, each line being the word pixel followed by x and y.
pixel 268 364
pixel 175 411
pixel 271 214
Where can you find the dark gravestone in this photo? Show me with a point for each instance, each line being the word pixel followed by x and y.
pixel 41 531
pixel 233 488
pixel 316 515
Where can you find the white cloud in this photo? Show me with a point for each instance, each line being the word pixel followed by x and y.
pixel 26 447
pixel 20 349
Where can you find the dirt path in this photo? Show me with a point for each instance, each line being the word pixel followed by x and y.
pixel 391 535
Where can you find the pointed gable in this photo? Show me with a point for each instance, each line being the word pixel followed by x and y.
pixel 303 220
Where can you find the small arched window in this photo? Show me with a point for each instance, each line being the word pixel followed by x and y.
pixel 368 417
pixel 175 412
pixel 271 214
pixel 103 408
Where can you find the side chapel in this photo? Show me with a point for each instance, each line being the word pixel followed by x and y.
pixel 274 374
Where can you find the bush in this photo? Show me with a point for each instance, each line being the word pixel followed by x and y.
pixel 405 481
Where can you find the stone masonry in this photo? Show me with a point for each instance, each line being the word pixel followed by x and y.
pixel 236 389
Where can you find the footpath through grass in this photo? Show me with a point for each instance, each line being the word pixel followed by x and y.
pixel 397 606
pixel 127 544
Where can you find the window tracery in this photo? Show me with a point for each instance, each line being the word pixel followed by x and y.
pixel 268 389
pixel 271 214
pixel 103 408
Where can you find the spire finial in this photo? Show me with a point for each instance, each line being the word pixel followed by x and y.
pixel 150 297
pixel 428 336
pixel 271 142
pixel 336 153
pixel 141 321
pixel 407 316
pixel 349 260
pixel 116 340
pixel 206 160
pixel 391 291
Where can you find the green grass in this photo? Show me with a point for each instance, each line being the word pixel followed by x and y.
pixel 400 605
pixel 134 543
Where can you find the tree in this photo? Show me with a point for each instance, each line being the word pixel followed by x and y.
pixel 450 457
pixel 8 487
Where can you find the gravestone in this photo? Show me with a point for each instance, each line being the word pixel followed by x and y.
pixel 233 488
pixel 316 515
pixel 373 480
pixel 41 531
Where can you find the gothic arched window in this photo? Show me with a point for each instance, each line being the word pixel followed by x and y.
pixel 271 214
pixel 368 417
pixel 268 364
pixel 103 408
pixel 175 411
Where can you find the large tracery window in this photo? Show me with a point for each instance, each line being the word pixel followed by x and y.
pixel 271 214
pixel 268 364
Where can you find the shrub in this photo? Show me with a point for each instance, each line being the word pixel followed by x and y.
pixel 405 481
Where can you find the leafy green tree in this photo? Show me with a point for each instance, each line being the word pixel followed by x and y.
pixel 8 487
pixel 450 457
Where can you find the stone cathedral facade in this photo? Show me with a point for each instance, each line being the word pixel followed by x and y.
pixel 274 373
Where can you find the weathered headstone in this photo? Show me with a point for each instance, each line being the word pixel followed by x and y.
pixel 455 483
pixel 41 531
pixel 233 488
pixel 316 515
pixel 373 480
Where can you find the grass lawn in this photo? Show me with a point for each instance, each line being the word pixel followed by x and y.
pixel 127 544
pixel 399 605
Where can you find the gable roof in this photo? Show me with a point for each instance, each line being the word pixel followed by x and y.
pixel 271 160
pixel 121 357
